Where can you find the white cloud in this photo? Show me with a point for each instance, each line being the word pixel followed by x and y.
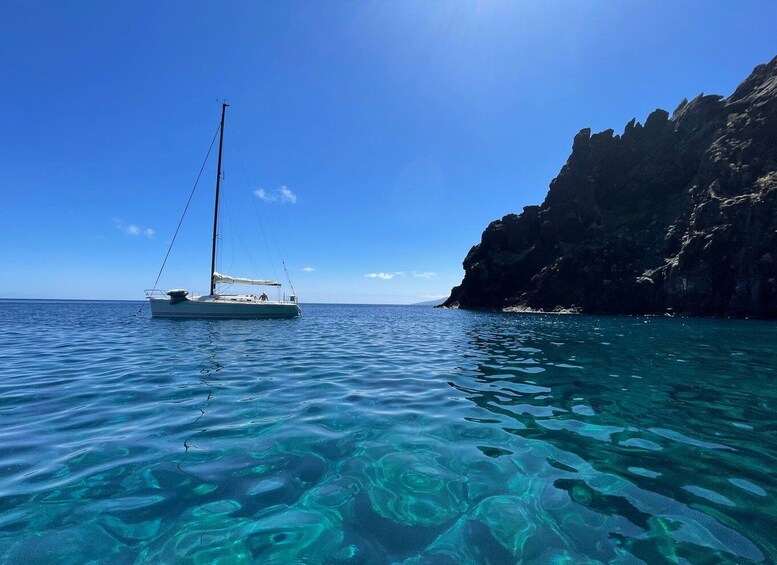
pixel 424 274
pixel 384 276
pixel 308 269
pixel 132 229
pixel 287 195
pixel 416 274
pixel 284 195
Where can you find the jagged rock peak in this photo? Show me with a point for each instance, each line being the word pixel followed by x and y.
pixel 680 106
pixel 761 82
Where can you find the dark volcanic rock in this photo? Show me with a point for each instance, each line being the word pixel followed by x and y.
pixel 678 214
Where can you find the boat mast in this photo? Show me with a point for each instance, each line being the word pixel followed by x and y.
pixel 216 207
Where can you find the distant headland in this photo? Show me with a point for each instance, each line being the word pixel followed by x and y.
pixel 677 215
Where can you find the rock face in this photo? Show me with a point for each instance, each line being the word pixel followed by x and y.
pixel 678 214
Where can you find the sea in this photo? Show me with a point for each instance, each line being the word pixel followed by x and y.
pixel 384 434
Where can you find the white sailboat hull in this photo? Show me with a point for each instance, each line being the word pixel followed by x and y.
pixel 176 303
pixel 222 307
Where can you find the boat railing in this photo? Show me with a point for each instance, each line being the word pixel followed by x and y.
pixel 155 293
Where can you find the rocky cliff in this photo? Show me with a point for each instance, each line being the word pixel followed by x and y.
pixel 678 214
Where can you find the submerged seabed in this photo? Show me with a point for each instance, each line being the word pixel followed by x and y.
pixel 361 434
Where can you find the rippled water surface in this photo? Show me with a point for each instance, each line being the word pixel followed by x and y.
pixel 365 434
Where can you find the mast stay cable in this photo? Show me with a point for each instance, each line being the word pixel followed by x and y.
pixel 186 208
pixel 269 226
pixel 256 211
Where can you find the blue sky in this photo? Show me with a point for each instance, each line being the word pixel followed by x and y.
pixel 382 136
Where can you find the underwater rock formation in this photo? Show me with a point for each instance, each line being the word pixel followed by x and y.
pixel 676 215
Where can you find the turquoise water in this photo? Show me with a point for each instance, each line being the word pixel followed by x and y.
pixel 365 434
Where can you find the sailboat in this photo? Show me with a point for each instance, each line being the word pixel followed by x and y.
pixel 177 303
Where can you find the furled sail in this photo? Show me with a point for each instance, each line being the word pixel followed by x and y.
pixel 219 278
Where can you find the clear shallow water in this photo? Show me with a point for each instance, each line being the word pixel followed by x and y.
pixel 363 434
